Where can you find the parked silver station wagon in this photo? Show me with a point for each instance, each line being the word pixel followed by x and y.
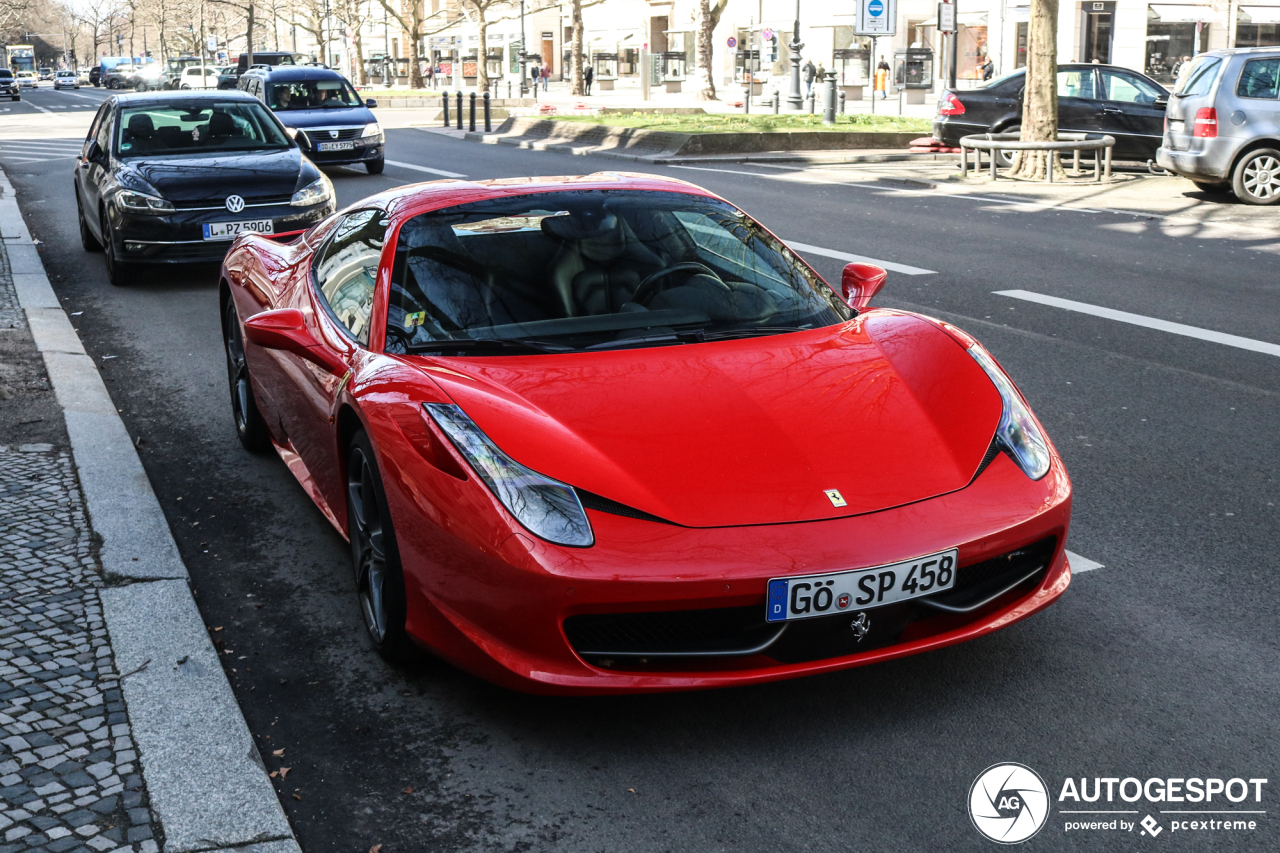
pixel 1222 127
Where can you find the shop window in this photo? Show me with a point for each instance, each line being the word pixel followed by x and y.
pixel 1020 49
pixel 1257 35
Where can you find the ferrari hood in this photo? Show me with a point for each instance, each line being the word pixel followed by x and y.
pixel 885 410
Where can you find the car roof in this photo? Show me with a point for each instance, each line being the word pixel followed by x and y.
pixel 185 96
pixel 290 73
pixel 412 199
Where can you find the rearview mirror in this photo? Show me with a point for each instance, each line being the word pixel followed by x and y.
pixel 371 103
pixel 286 329
pixel 860 282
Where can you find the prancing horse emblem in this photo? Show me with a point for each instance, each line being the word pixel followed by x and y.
pixel 861 626
pixel 837 499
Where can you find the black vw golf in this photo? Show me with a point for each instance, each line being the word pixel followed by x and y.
pixel 170 177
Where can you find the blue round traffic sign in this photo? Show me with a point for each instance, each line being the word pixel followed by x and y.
pixel 875 8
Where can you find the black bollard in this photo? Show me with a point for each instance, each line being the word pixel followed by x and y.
pixel 446 108
pixel 459 109
pixel 471 118
pixel 488 117
pixel 776 102
pixel 829 99
pixel 842 102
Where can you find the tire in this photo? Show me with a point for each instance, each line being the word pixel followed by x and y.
pixel 87 240
pixel 1004 159
pixel 186 86
pixel 251 429
pixel 375 167
pixel 118 273
pixel 1213 187
pixel 1256 179
pixel 375 558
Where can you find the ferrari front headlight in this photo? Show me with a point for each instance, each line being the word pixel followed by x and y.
pixel 1018 434
pixel 548 508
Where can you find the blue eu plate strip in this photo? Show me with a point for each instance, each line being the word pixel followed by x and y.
pixel 777 604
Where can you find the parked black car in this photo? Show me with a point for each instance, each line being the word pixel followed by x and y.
pixel 9 84
pixel 230 79
pixel 1091 98
pixel 95 75
pixel 330 121
pixel 170 178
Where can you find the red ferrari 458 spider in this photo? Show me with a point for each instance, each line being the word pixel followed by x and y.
pixel 607 434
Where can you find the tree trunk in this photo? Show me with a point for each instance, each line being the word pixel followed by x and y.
pixel 482 54
pixel 361 74
pixel 577 87
pixel 248 37
pixel 1040 98
pixel 415 36
pixel 702 74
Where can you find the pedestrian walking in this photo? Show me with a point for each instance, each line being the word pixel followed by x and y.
pixel 882 80
pixel 807 73
pixel 431 75
pixel 988 68
pixel 535 73
pixel 546 76
pixel 588 74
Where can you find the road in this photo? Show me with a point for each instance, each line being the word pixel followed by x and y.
pixel 1161 663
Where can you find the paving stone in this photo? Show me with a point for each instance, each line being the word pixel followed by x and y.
pixel 67 743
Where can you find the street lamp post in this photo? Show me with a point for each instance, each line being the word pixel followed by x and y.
pixel 795 100
pixel 524 53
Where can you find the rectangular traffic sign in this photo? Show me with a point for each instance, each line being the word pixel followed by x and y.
pixel 877 18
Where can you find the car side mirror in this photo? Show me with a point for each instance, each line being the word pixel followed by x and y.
pixel 286 329
pixel 860 282
pixel 91 153
pixel 371 103
pixel 1161 102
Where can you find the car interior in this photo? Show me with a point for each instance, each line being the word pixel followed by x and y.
pixel 173 130
pixel 589 269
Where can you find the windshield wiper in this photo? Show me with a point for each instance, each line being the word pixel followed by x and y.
pixel 485 343
pixel 696 336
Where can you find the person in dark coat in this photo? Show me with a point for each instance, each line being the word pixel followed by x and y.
pixel 807 73
pixel 588 74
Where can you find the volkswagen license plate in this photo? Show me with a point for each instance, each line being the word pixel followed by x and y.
pixel 337 146
pixel 821 595
pixel 231 230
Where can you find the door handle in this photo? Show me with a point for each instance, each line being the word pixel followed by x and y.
pixel 1113 111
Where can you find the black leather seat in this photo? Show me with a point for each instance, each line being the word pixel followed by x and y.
pixel 140 134
pixel 600 262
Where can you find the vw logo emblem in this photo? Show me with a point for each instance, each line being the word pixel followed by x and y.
pixel 235 204
pixel 333 134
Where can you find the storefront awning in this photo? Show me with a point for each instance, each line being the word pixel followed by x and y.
pixel 964 19
pixel 1261 14
pixel 1189 14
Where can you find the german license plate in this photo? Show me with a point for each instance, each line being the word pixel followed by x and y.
pixel 860 589
pixel 337 146
pixel 231 230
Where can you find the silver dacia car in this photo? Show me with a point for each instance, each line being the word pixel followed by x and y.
pixel 1222 126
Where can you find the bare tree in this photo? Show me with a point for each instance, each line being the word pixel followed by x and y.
pixel 354 13
pixel 482 9
pixel 1040 100
pixel 706 20
pixel 246 8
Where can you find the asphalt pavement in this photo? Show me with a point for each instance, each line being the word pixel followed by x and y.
pixel 1162 663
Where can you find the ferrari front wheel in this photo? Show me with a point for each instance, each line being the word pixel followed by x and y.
pixel 379 579
pixel 251 429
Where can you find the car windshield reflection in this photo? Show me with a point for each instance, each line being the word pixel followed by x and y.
pixel 313 95
pixel 595 270
pixel 196 128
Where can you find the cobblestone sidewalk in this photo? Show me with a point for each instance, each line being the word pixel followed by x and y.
pixel 69 773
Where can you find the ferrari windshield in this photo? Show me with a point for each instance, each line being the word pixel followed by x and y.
pixel 599 269
pixel 196 127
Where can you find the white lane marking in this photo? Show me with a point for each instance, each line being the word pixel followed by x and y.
pixel 10 159
pixel 858 259
pixel 799 176
pixel 440 172
pixel 1147 322
pixel 52 143
pixel 43 110
pixel 1082 564
pixel 86 97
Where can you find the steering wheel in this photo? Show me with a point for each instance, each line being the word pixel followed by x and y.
pixel 642 295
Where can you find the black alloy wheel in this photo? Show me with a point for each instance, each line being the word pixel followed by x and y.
pixel 118 272
pixel 379 580
pixel 251 429
pixel 87 240
pixel 375 167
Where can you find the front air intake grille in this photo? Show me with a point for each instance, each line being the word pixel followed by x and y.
pixel 721 631
pixel 981 583
pixel 221 203
pixel 593 501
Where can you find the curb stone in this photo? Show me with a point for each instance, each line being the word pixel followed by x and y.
pixel 204 774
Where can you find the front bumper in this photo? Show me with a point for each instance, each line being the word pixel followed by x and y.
pixel 178 238
pixel 360 153
pixel 501 612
